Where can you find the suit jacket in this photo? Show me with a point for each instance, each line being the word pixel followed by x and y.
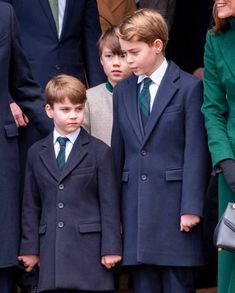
pixel 71 217
pixel 111 12
pixel 165 7
pixel 74 53
pixel 15 80
pixel 98 120
pixel 219 111
pixel 162 173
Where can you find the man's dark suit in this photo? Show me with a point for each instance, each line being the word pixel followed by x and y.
pixel 15 80
pixel 163 173
pixel 74 53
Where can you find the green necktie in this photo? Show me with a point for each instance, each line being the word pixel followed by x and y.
pixel 61 156
pixel 144 100
pixel 55 12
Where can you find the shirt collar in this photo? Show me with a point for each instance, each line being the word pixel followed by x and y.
pixel 109 86
pixel 157 75
pixel 71 136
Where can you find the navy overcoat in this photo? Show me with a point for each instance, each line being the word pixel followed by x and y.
pixel 71 218
pixel 163 173
pixel 16 81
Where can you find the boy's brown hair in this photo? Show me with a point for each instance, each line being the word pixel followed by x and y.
pixel 65 86
pixel 109 39
pixel 144 25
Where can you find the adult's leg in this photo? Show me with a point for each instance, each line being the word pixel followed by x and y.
pixel 7 284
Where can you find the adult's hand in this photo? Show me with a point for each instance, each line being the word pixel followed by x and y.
pixel 21 119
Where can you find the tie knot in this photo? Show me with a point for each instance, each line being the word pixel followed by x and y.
pixel 62 140
pixel 147 81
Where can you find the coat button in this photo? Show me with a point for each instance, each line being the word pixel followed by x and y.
pixel 143 153
pixel 61 224
pixel 57 67
pixel 60 205
pixel 143 177
pixel 61 186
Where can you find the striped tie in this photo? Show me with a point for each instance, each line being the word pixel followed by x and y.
pixel 144 100
pixel 61 156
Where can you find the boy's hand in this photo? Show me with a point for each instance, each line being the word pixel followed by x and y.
pixel 110 261
pixel 187 222
pixel 29 261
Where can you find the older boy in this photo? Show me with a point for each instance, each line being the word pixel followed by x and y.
pixel 160 151
pixel 99 107
pixel 70 207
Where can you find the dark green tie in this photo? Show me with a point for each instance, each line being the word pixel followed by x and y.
pixel 61 156
pixel 55 12
pixel 144 100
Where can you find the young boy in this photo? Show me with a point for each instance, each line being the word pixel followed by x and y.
pixel 160 153
pixel 99 107
pixel 70 219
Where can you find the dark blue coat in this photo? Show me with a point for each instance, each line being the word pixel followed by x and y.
pixel 71 218
pixel 163 173
pixel 74 53
pixel 15 80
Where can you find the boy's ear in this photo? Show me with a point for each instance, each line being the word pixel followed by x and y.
pixel 49 111
pixel 158 46
pixel 101 61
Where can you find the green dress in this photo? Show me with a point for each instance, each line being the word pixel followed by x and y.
pixel 219 112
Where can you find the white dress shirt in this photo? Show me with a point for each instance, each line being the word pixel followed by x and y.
pixel 156 78
pixel 61 8
pixel 69 144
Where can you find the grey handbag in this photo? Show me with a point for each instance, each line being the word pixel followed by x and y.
pixel 224 234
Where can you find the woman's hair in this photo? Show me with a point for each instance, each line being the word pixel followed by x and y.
pixel 219 24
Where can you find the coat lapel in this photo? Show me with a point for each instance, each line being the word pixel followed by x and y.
pixel 47 10
pixel 164 95
pixel 77 154
pixel 226 48
pixel 130 102
pixel 47 155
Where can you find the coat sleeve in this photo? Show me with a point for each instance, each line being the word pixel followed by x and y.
pixel 23 89
pixel 117 143
pixel 91 33
pixel 109 205
pixel 196 154
pixel 215 107
pixel 31 212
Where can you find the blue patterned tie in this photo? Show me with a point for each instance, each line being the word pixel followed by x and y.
pixel 144 100
pixel 61 156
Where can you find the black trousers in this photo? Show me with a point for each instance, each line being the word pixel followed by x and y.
pixel 163 279
pixel 7 280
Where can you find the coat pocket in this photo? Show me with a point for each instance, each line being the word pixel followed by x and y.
pixel 83 171
pixel 173 108
pixel 11 130
pixel 90 228
pixel 125 176
pixel 174 175
pixel 3 39
pixel 42 229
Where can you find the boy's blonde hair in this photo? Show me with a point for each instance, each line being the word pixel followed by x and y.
pixel 65 86
pixel 144 25
pixel 109 39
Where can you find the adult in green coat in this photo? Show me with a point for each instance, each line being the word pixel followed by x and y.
pixel 219 111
